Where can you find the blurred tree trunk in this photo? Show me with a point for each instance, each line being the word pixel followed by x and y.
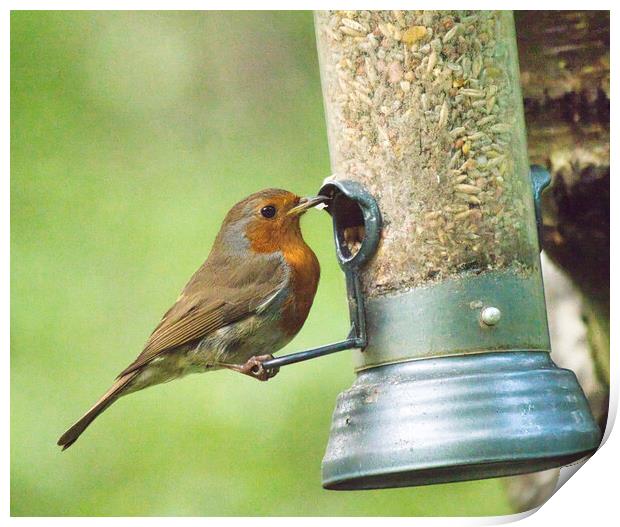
pixel 564 60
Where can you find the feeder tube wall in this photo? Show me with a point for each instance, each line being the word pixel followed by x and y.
pixel 424 109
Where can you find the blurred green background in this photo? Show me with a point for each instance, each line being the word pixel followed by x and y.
pixel 132 133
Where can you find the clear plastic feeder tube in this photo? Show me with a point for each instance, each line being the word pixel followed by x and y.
pixel 424 109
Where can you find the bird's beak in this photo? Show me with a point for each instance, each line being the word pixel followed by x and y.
pixel 305 204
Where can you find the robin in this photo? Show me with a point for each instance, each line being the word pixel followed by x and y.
pixel 249 298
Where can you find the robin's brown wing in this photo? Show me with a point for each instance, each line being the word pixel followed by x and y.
pixel 212 300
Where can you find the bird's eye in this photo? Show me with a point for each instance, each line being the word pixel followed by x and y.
pixel 268 212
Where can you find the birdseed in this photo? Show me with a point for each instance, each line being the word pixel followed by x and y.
pixel 424 109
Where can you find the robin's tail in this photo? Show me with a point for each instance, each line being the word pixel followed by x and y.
pixel 71 435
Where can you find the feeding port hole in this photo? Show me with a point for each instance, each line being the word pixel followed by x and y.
pixel 348 224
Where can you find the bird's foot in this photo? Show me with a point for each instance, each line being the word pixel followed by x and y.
pixel 254 368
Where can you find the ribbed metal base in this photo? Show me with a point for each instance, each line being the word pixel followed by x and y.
pixel 457 418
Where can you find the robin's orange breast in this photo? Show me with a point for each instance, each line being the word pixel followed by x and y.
pixel 304 279
pixel 301 262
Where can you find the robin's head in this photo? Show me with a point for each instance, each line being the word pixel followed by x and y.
pixel 266 220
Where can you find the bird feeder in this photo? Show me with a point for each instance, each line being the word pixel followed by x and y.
pixel 454 377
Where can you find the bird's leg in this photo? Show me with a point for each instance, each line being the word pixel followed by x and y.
pixel 253 367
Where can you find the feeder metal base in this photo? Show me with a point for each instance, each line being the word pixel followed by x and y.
pixel 457 418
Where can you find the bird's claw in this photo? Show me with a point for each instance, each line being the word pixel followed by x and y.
pixel 254 368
